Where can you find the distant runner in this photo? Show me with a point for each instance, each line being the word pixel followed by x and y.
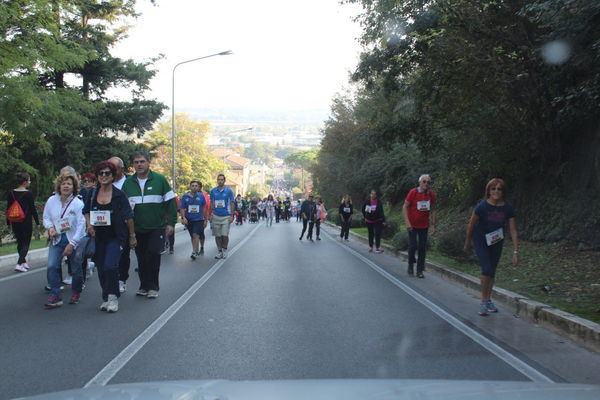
pixel 194 209
pixel 222 206
pixel 418 206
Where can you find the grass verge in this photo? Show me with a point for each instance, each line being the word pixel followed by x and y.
pixel 11 248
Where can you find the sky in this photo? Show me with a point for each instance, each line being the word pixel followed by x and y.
pixel 287 54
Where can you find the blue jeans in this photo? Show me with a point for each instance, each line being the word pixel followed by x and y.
pixel 106 257
pixel 55 256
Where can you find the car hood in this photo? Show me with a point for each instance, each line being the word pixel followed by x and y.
pixel 376 389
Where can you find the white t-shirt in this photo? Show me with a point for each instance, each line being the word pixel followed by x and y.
pixel 142 183
pixel 119 184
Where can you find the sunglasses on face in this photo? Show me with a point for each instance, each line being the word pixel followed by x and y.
pixel 104 173
pixel 499 189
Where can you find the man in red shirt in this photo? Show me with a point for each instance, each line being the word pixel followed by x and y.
pixel 419 205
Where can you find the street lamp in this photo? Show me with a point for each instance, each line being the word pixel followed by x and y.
pixel 223 53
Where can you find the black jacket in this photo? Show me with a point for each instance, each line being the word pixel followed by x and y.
pixel 376 216
pixel 344 214
pixel 309 208
pixel 26 200
pixel 121 211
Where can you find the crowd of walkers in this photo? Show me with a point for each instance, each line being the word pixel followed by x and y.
pixel 108 214
pixel 485 231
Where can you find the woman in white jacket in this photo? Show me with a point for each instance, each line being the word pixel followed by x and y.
pixel 66 226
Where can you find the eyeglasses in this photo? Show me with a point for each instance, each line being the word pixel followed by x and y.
pixel 496 189
pixel 104 173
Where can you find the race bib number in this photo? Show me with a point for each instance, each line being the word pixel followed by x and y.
pixel 370 209
pixel 219 203
pixel 424 205
pixel 494 237
pixel 63 225
pixel 100 218
pixel 346 209
pixel 194 209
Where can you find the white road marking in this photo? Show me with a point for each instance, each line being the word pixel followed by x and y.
pixel 21 274
pixel 507 357
pixel 117 363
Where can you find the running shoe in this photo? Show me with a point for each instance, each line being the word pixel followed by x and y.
pixel 420 275
pixel 483 311
pixel 27 266
pixel 141 292
pixel 193 255
pixel 53 302
pixel 68 280
pixel 379 250
pixel 103 306
pixel 219 255
pixel 152 294
pixel 491 307
pixel 318 238
pixel 122 287
pixel 171 251
pixel 370 249
pixel 112 304
pixel 347 240
pixel 74 298
pixel 201 251
pixel 20 268
pixel 164 251
pixel 224 253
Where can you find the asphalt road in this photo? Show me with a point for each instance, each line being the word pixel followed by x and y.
pixel 277 308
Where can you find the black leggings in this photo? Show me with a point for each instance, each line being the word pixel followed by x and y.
pixel 22 232
pixel 374 232
pixel 345 228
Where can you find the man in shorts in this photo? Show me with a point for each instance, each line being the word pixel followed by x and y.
pixel 193 210
pixel 222 203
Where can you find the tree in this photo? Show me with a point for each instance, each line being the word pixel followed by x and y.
pixel 193 160
pixel 42 112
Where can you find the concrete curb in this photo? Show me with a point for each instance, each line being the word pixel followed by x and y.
pixel 581 331
pixel 38 257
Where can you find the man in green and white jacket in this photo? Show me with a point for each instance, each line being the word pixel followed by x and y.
pixel 152 201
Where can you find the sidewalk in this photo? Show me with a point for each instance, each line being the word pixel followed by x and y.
pixel 581 331
pixel 38 258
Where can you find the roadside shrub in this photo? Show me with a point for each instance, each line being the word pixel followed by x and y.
pixel 389 229
pixel 400 241
pixel 451 243
pixel 333 215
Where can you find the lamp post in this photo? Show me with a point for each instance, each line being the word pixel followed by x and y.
pixel 223 53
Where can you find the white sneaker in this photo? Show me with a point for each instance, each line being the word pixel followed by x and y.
pixel 90 270
pixel 224 253
pixel 113 303
pixel 122 287
pixel 20 268
pixel 26 266
pixel 68 280
pixel 219 255
pixel 152 294
pixel 103 306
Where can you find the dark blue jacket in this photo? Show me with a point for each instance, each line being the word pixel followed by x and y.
pixel 121 211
